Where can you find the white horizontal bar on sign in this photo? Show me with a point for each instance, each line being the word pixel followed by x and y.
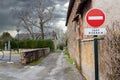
pixel 95 17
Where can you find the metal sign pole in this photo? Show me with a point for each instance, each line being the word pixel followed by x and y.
pixel 96 58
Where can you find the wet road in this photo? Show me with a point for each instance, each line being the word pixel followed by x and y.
pixel 6 57
pixel 53 67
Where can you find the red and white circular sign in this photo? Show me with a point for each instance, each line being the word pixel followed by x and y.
pixel 95 17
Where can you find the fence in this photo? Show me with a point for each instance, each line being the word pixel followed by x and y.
pixel 33 54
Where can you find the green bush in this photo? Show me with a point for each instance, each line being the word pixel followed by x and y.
pixel 32 44
pixel 1 45
pixel 14 43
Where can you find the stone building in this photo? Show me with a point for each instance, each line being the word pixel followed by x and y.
pixel 80 46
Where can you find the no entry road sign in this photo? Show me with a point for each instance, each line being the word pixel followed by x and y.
pixel 95 17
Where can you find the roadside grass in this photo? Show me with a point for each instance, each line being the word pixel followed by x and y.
pixel 65 52
pixel 70 60
pixel 33 63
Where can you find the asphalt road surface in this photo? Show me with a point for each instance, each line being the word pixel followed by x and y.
pixel 53 67
pixel 7 57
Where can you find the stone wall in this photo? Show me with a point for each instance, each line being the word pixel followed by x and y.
pixel 87 58
pixel 28 56
pixel 73 40
pixel 103 68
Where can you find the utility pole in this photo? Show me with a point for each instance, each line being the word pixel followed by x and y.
pixel 18 30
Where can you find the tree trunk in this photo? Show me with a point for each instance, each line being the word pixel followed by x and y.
pixel 42 30
pixel 32 36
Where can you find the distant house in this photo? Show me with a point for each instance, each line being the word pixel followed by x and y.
pixel 22 36
pixel 48 35
pixel 80 46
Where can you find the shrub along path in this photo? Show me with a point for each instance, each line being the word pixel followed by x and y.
pixel 53 67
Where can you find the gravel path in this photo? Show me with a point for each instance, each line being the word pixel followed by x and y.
pixel 53 67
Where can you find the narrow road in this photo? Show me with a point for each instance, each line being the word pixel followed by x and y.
pixel 53 67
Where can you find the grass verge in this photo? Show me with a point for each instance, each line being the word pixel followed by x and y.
pixel 70 60
pixel 65 52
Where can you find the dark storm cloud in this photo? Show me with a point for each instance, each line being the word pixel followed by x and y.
pixel 60 11
pixel 7 19
pixel 7 22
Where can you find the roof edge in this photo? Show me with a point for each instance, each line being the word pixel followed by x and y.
pixel 71 4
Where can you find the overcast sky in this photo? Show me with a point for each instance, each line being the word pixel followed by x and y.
pixel 8 23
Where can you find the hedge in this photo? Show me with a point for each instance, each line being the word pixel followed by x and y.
pixel 32 44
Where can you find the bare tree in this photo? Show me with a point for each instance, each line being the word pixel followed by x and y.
pixel 24 21
pixel 36 16
pixel 44 14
